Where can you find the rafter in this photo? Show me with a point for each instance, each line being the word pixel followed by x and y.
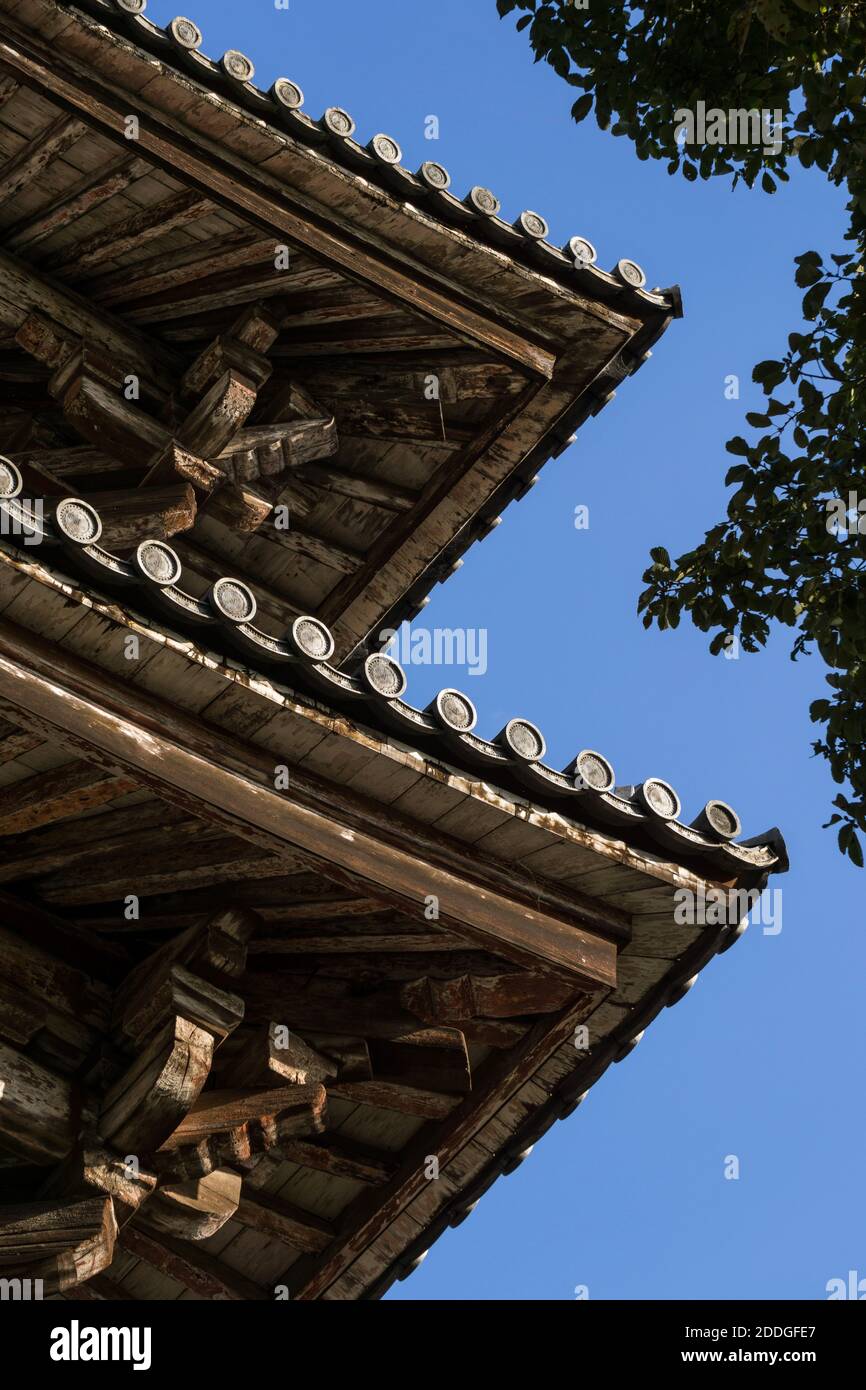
pixel 58 692
pixel 48 145
pixel 88 193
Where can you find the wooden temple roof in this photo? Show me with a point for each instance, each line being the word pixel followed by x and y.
pixel 267 928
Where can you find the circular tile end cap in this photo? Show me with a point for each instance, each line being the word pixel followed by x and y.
pixel 185 33
pixel 533 225
pixel 287 93
pixel 157 562
pixel 232 600
pixel 630 273
pixel 483 201
pixel 237 66
pixel 582 250
pixel 11 481
pixel 384 676
pixel 338 121
pixel 721 819
pixel 681 990
pixel 435 175
pixel 592 772
pixel 312 639
pixel 659 798
pixel 629 1046
pixel 385 149
pixel 454 710
pixel 78 521
pixel 523 739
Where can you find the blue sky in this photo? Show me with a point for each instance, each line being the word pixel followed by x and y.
pixel 764 1059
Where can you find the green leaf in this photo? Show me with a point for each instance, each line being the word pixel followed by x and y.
pixel 737 445
pixel 582 107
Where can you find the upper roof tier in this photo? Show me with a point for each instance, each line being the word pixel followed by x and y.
pixel 242 330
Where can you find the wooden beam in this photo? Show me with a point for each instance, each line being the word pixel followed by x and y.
pixel 29 291
pixel 328 553
pixel 218 415
pixel 197 1209
pixel 441 1066
pixel 246 1144
pixel 92 189
pixel 218 1111
pixel 274 1217
pixel 220 778
pixel 272 1056
pixel 26 166
pixel 141 1110
pixel 112 242
pixel 63 1243
pixel 371 490
pixel 93 1170
pixel 54 796
pixel 396 1096
pixel 195 1269
pixel 37 1113
pixel 341 1158
pixel 172 991
pixel 148 513
pixel 474 996
pixel 239 186
pixel 69 462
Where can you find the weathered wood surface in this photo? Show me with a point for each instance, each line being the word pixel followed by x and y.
pixel 193 1267
pixel 219 1111
pixel 145 1106
pixel 63 1243
pixel 59 795
pixel 274 1056
pixel 197 769
pixel 197 1209
pixel 282 1220
pixel 37 1110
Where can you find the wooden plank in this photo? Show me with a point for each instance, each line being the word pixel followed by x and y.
pixel 28 164
pixel 194 1269
pixel 374 491
pixel 353 943
pixel 54 796
pixel 101 1289
pixel 63 1243
pixel 30 292
pixel 14 746
pixel 281 1220
pixel 237 185
pixel 144 1107
pixel 218 1111
pixel 274 1056
pixel 75 202
pixel 147 513
pixel 196 1209
pixel 37 1118
pixel 148 224
pixel 219 778
pixel 394 1095
pixel 340 1158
